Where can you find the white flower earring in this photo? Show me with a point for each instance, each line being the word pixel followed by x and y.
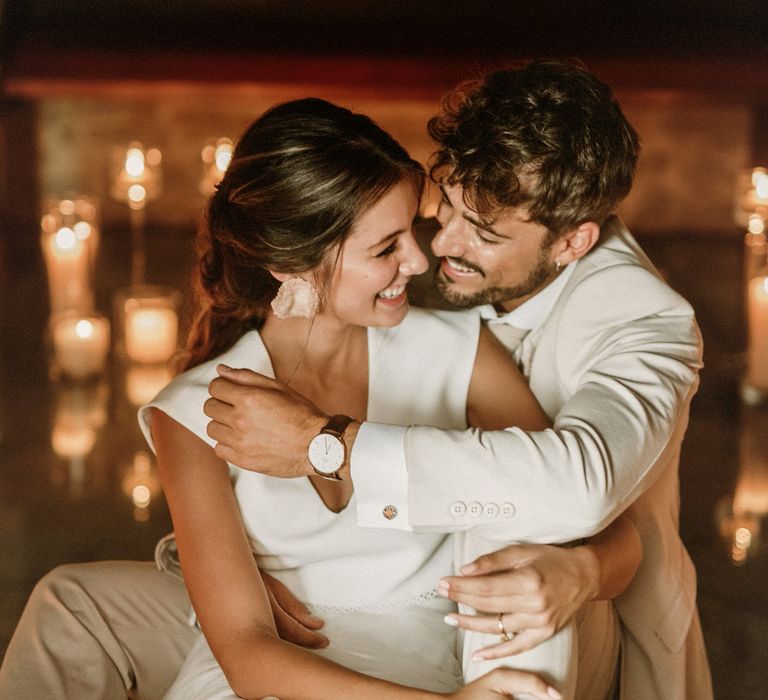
pixel 296 298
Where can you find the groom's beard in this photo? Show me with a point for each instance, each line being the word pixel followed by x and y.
pixel 537 278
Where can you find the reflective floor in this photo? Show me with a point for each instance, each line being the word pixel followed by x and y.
pixel 76 484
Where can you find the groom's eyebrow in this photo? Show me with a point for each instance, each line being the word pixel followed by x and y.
pixel 475 222
pixel 485 227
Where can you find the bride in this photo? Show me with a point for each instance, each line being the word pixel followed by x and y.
pixel 303 274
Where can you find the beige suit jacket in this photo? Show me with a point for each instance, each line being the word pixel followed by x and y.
pixel 616 365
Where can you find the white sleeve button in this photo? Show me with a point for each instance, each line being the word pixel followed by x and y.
pixel 458 508
pixel 491 510
pixel 475 508
pixel 507 510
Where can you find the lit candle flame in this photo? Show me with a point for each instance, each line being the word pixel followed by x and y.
pixel 83 328
pixel 223 156
pixel 134 162
pixel 66 240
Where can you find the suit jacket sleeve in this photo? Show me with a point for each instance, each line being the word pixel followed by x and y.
pixel 628 354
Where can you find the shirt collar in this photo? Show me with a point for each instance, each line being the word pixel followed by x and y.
pixel 532 313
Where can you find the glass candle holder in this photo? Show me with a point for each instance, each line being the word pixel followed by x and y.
pixel 70 239
pixel 147 317
pixel 79 345
pixel 136 174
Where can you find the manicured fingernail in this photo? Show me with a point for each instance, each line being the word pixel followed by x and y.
pixel 443 587
pixel 452 621
pixel 468 568
pixel 223 368
pixel 553 693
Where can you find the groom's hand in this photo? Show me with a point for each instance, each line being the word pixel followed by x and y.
pixel 261 424
pixel 538 587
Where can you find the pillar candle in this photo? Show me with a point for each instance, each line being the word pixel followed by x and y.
pixel 67 264
pixel 151 332
pixel 80 344
pixel 757 317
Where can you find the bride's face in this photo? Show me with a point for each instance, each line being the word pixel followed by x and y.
pixel 376 262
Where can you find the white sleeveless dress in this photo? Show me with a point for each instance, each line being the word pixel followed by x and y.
pixel 374 588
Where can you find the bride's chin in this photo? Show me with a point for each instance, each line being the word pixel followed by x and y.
pixel 388 316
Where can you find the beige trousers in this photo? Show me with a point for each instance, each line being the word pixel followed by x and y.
pixel 118 629
pixel 100 631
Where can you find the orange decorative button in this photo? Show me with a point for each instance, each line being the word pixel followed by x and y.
pixel 390 512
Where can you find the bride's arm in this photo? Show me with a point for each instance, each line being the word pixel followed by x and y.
pixel 226 588
pixel 499 396
pixel 230 600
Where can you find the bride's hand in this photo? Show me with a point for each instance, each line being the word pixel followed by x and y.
pixel 506 683
pixel 293 620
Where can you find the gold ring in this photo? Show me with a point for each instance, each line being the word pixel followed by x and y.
pixel 505 636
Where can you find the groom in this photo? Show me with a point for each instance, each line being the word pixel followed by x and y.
pixel 531 164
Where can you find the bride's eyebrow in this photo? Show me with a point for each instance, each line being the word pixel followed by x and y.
pixel 387 238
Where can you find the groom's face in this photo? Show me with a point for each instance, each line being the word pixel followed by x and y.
pixel 504 262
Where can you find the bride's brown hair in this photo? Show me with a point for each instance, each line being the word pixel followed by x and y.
pixel 299 179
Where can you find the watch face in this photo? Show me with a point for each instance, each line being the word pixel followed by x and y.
pixel 326 453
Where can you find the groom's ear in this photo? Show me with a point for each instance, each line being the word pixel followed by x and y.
pixel 577 243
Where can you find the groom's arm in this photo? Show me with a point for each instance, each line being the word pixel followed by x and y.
pixel 631 384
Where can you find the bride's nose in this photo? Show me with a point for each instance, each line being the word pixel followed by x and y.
pixel 414 262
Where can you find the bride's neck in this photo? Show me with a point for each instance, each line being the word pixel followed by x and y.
pixel 318 346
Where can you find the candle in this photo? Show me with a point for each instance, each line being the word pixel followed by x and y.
pixel 67 264
pixel 757 317
pixel 147 320
pixel 150 334
pixel 216 158
pixel 80 344
pixel 136 175
pixel 70 239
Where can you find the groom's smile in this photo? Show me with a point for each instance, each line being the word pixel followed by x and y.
pixel 503 262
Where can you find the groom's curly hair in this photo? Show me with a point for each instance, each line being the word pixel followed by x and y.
pixel 548 137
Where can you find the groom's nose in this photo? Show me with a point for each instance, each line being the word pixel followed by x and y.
pixel 449 240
